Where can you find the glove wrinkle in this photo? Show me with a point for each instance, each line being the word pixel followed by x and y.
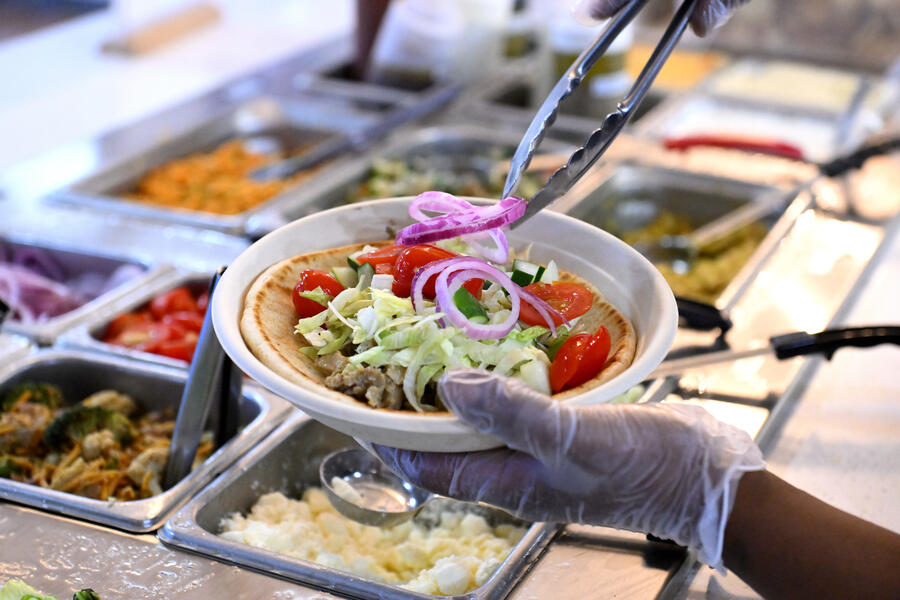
pixel 708 14
pixel 666 469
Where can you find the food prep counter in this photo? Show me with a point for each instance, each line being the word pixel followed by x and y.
pixel 803 268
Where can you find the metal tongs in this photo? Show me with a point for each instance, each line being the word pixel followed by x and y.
pixel 213 381
pixel 583 158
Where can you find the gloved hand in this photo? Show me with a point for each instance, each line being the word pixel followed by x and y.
pixel 670 470
pixel 708 15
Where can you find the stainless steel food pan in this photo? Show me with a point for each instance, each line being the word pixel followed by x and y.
pixel 633 195
pixel 819 136
pixel 512 101
pixel 153 388
pixel 460 147
pixel 338 82
pixel 287 461
pixel 517 99
pixel 89 334
pixel 264 123
pixel 75 263
pixel 12 347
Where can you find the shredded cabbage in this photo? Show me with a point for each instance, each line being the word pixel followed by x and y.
pixel 316 295
pixel 386 330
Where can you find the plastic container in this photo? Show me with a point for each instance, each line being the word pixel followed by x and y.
pixel 417 43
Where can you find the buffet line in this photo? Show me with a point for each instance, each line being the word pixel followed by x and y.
pixel 119 316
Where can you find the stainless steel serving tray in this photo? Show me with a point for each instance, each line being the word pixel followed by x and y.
pixel 458 146
pixel 628 196
pixel 753 67
pixel 266 122
pixel 514 100
pixel 819 135
pixel 89 334
pixel 13 347
pixel 75 262
pixel 153 388
pixel 287 461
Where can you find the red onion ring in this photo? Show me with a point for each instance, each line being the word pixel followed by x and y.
pixel 464 269
pixel 445 290
pixel 439 202
pixel 453 272
pixel 33 297
pixel 422 276
pixel 37 261
pixel 498 255
pixel 463 221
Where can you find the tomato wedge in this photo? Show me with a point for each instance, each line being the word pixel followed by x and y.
pixel 579 359
pixel 569 299
pixel 311 279
pixel 176 300
pixel 125 322
pixel 386 255
pixel 188 321
pixel 169 325
pixel 413 258
pixel 181 349
pixel 146 336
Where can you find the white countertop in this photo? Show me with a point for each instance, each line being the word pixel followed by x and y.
pixel 58 87
pixel 842 442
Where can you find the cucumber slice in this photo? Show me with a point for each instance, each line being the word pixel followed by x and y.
pixel 346 276
pixel 521 278
pixel 525 266
pixel 365 273
pixel 353 264
pixel 469 306
pixel 524 272
pixel 550 274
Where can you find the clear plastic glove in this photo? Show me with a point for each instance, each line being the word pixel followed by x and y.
pixel 670 470
pixel 708 15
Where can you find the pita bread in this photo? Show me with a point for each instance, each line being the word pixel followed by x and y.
pixel 268 320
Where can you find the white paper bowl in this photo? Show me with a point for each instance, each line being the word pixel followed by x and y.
pixel 625 277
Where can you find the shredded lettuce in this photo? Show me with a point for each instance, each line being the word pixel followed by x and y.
pixel 527 335
pixel 316 295
pixel 19 590
pixel 383 330
pixel 310 324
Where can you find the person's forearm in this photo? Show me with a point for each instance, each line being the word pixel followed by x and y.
pixel 787 544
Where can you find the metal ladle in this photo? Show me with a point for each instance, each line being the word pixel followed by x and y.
pixel 361 488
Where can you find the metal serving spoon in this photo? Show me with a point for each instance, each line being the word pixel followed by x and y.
pixel 361 488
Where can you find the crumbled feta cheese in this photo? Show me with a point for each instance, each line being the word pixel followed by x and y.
pixel 454 557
